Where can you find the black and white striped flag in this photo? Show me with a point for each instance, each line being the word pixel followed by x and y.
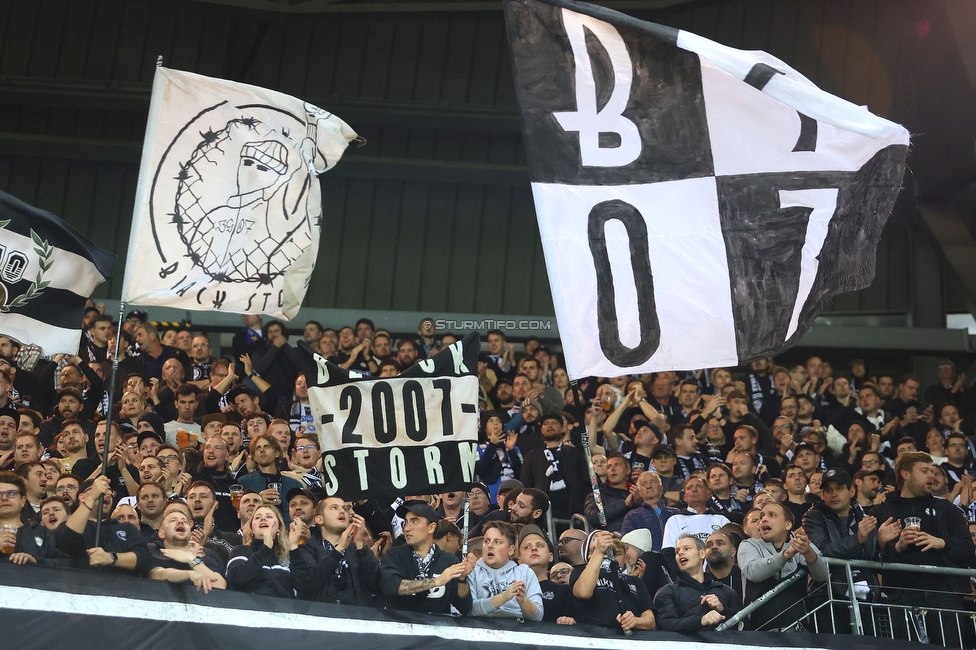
pixel 47 272
pixel 699 205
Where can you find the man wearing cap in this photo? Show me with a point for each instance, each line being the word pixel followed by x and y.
pixel 149 442
pixel 420 577
pixel 867 485
pixel 558 469
pixel 334 565
pixel 535 552
pixel 839 528
pixel 70 403
pixel 479 504
pixel 503 398
pixel 301 506
pixel 122 545
pixel 646 437
pixel 526 423
pixel 211 424
pixel 664 460
pixel 246 401
pixel 619 495
pixel 693 602
pixel 653 513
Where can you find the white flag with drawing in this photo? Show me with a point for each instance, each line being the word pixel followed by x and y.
pixel 228 206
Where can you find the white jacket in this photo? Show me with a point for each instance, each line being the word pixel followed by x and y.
pixel 486 582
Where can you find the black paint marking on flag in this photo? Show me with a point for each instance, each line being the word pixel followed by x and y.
pixel 580 131
pixel 413 434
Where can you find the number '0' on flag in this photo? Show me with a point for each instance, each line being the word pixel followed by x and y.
pixel 228 205
pixel 698 205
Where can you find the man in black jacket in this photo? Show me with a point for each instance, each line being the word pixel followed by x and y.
pixel 558 469
pixel 420 577
pixel 931 532
pixel 618 494
pixel 692 603
pixel 334 565
pixel 839 528
pixel 122 547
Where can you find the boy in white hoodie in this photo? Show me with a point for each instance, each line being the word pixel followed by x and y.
pixel 499 586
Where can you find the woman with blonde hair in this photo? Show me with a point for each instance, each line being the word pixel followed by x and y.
pixel 261 565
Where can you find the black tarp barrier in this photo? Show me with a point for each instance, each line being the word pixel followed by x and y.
pixel 48 607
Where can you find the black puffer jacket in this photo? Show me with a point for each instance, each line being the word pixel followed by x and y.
pixel 679 608
pixel 322 573
pixel 257 570
pixel 828 533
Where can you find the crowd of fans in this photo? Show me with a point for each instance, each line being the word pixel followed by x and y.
pixel 715 485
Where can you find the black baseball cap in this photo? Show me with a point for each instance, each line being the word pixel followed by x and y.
pixel 880 473
pixel 73 392
pixel 146 435
pixel 663 450
pixel 837 475
pixel 295 491
pixel 240 390
pixel 481 486
pixel 419 508
pixel 551 415
pixel 804 445
pixel 138 314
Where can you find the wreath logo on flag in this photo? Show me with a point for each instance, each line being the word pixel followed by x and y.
pixel 13 266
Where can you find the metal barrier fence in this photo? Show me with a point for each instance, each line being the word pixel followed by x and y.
pixel 869 610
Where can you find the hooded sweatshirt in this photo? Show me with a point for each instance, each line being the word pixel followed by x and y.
pixel 486 582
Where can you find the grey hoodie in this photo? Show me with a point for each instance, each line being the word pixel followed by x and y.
pixel 486 582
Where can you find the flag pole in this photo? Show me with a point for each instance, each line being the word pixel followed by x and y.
pixel 597 497
pixel 464 528
pixel 108 416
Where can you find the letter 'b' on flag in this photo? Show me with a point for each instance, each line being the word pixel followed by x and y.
pixel 698 205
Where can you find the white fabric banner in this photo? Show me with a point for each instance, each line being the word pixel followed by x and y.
pixel 228 206
pixel 698 205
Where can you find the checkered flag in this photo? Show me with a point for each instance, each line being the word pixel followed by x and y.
pixel 699 205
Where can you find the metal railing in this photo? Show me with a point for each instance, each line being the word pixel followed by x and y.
pixel 552 523
pixel 871 610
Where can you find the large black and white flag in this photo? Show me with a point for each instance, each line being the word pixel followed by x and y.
pixel 699 205
pixel 228 207
pixel 413 434
pixel 47 272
